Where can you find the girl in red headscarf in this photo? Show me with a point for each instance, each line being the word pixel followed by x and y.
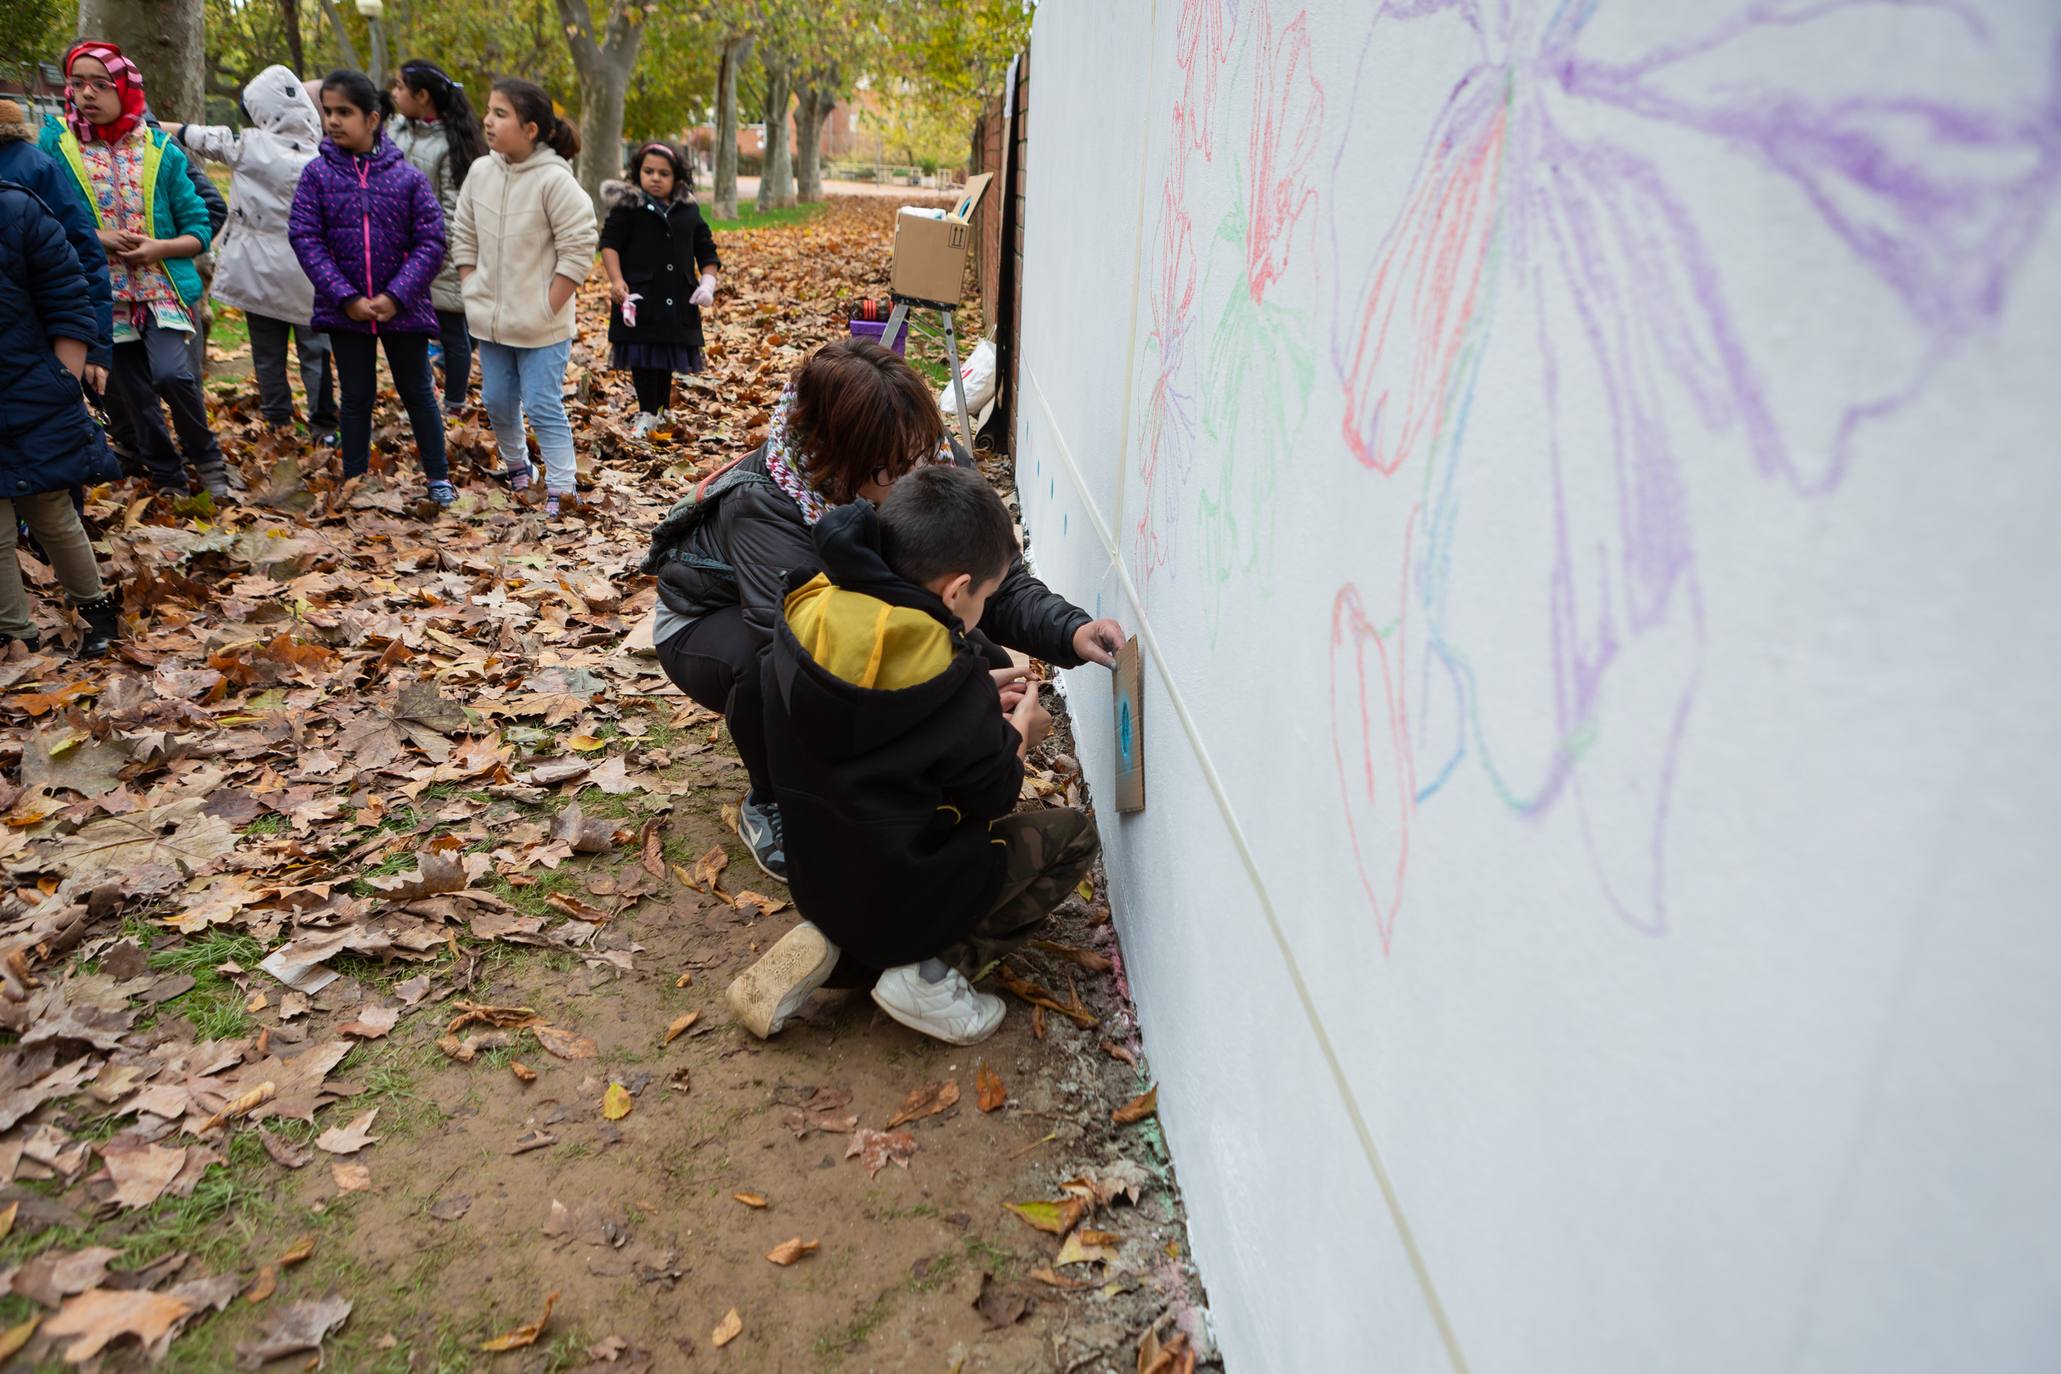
pixel 153 224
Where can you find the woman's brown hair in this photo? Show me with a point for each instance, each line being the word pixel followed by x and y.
pixel 860 410
pixel 533 106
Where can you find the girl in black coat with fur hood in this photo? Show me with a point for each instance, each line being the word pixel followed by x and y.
pixel 654 243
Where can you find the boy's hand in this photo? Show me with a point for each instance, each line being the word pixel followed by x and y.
pixel 1098 640
pixel 1010 683
pixel 96 379
pixel 1032 721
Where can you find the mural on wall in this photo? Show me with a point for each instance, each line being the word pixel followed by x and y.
pixel 1570 263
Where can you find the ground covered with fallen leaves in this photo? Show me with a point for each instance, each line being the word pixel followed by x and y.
pixel 364 940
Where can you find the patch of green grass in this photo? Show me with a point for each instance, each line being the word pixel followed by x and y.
pixel 989 1255
pixel 531 900
pixel 750 217
pixel 854 1332
pixel 386 1077
pixel 271 823
pixel 213 1004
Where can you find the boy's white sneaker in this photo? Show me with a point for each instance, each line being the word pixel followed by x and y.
pixel 645 423
pixel 950 1009
pixel 766 994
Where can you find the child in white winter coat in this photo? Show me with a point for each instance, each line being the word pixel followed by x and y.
pixel 255 269
pixel 523 240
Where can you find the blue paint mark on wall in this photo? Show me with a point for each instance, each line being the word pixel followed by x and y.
pixel 1123 732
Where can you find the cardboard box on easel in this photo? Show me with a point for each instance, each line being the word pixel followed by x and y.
pixel 930 253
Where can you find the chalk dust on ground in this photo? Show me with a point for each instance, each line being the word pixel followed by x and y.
pixel 403 761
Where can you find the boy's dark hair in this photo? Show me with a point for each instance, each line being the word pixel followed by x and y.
pixel 358 91
pixel 940 522
pixel 860 411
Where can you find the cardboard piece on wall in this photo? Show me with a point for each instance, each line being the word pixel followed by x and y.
pixel 1130 729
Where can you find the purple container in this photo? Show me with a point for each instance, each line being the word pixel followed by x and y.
pixel 873 329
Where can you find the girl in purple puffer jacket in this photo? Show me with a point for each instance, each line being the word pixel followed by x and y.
pixel 368 232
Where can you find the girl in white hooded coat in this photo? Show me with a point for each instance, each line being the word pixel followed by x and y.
pixel 255 268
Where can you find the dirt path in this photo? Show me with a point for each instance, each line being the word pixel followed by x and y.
pixel 403 762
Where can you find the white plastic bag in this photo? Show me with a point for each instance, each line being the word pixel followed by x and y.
pixel 978 374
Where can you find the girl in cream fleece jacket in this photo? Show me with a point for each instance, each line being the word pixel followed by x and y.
pixel 523 241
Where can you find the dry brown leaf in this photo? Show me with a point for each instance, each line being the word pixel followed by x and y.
pixel 616 1102
pixel 527 1333
pixel 750 1199
pixel 351 1178
pixel 1077 1250
pixel 1056 1217
pixel 301 1249
pixel 480 1013
pixel 371 1023
pixel 566 1044
pixel 7 1215
pixel 727 1330
pixel 263 1286
pixel 709 867
pixel 679 1026
pixel 1053 1279
pixel 102 1315
pixel 928 1100
pixel 15 1337
pixel 1038 997
pixel 348 1140
pixel 988 1084
pixel 140 1171
pixel 523 1072
pixel 878 1149
pixel 788 1251
pixel 1138 1108
pixel 242 1106
pixel 1118 1052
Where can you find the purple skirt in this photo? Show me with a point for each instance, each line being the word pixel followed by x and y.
pixel 655 357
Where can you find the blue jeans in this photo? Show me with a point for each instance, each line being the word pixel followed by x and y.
pixel 518 381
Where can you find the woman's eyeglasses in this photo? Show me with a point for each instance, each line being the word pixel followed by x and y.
pixel 99 85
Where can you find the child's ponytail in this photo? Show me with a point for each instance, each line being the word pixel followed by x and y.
pixel 464 142
pixel 533 106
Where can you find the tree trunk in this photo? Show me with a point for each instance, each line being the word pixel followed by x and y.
pixel 735 50
pixel 776 166
pixel 604 69
pixel 164 38
pixel 601 125
pixel 377 71
pixel 344 46
pixel 811 108
pixel 296 46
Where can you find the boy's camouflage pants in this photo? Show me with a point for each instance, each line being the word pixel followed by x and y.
pixel 1048 853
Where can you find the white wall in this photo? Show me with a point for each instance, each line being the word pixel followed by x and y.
pixel 1586 477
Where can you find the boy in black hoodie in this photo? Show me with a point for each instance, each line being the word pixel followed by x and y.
pixel 897 758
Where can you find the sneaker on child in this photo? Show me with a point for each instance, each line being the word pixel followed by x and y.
pixel 758 825
pixel 945 1007
pixel 766 994
pixel 645 422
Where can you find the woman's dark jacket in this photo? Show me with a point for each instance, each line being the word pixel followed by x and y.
pixel 664 251
pixel 751 541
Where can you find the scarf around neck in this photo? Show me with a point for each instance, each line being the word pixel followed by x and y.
pixel 128 81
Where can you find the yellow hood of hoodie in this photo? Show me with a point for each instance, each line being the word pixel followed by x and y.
pixel 863 640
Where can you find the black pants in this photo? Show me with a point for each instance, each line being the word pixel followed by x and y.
pixel 654 388
pixel 268 361
pixel 357 368
pixel 150 375
pixel 457 356
pixel 716 661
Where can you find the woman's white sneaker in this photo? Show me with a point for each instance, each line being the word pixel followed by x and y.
pixel 950 1009
pixel 766 994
